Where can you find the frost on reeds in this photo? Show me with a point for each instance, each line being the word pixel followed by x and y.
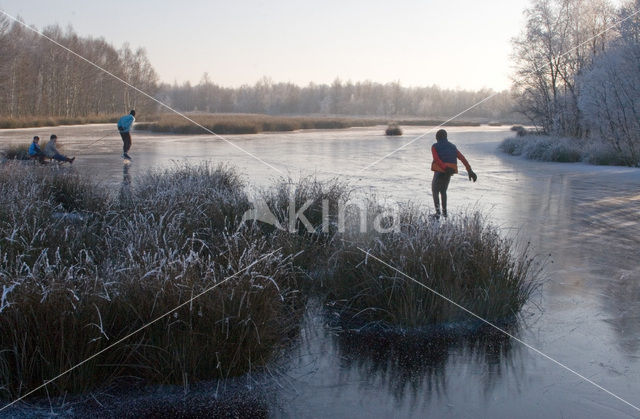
pixel 82 267
pixel 566 150
pixel 308 237
pixel 463 258
pixel 71 286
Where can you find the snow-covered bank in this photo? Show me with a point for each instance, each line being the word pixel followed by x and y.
pixel 564 150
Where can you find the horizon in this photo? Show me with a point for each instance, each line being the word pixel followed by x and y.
pixel 301 44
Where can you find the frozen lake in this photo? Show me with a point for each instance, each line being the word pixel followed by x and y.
pixel 587 315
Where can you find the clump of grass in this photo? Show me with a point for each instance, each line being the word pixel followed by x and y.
pixel 464 259
pixel 63 317
pixel 207 200
pixel 393 129
pixel 16 152
pixel 71 287
pixel 308 237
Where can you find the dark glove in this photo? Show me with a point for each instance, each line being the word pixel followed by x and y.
pixel 472 175
pixel 450 171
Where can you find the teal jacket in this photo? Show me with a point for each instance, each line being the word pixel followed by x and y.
pixel 125 123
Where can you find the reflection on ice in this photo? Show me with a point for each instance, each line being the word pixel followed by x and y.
pixel 415 366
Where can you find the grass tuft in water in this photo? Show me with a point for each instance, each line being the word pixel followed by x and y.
pixel 463 258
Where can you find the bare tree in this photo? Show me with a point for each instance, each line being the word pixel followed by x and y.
pixel 560 40
pixel 37 78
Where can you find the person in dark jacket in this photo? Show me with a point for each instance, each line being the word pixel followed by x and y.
pixel 124 127
pixel 445 165
pixel 34 150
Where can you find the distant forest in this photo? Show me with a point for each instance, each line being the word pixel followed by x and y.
pixel 339 98
pixel 38 78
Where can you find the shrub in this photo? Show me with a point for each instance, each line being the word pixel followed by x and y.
pixel 512 146
pixel 606 155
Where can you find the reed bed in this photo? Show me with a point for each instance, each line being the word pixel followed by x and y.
pixel 256 123
pixel 249 123
pixel 53 121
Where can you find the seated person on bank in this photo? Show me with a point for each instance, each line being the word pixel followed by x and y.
pixel 50 150
pixel 34 150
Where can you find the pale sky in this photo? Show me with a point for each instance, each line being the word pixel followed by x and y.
pixel 453 43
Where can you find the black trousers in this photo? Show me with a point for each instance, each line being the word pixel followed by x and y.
pixel 439 186
pixel 126 141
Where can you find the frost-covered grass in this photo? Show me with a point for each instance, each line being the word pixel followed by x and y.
pixel 72 285
pixel 565 150
pixel 463 258
pixel 606 155
pixel 544 148
pixel 82 266
pixel 309 244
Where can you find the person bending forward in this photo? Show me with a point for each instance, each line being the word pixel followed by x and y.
pixel 445 165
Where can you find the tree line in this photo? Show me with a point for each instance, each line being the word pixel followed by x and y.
pixel 578 71
pixel 338 98
pixel 38 78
